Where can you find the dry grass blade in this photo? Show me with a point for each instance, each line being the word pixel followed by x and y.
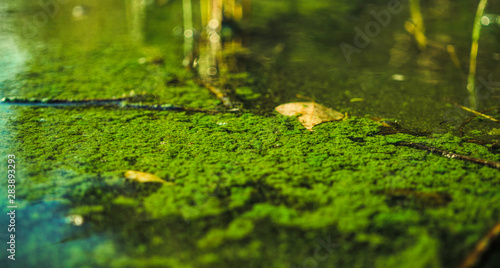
pixel 481 247
pixel 473 111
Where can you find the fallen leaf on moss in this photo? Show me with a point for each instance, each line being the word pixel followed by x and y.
pixel 144 177
pixel 311 113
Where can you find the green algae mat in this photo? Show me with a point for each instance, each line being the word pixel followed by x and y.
pixel 251 188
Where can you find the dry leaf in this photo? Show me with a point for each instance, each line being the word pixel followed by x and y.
pixel 311 113
pixel 144 177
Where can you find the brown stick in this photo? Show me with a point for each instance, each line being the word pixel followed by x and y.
pixel 448 154
pixel 481 247
pixel 119 103
pixel 224 95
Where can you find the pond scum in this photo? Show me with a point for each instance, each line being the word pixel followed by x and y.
pixel 246 188
pixel 254 189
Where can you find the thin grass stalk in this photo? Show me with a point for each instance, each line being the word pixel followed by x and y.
pixel 476 32
pixel 187 13
pixel 418 21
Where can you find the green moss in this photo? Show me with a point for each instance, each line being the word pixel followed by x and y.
pixel 239 177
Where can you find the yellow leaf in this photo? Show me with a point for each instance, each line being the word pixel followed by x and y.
pixel 144 177
pixel 311 113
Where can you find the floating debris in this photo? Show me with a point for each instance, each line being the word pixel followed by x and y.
pixel 311 113
pixel 398 77
pixel 143 177
pixel 482 247
pixel 450 155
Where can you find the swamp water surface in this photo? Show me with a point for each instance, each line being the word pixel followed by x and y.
pixel 251 189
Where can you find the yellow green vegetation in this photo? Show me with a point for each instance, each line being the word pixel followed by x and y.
pixel 256 190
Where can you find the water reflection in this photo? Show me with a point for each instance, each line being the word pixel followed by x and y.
pixel 13 55
pixel 136 15
pixel 12 58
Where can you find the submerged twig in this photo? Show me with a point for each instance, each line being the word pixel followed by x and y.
pixel 224 95
pixel 481 247
pixel 404 131
pixel 449 154
pixel 416 27
pixel 305 98
pixel 46 102
pixel 115 103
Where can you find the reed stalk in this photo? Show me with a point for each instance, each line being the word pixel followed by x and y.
pixel 187 13
pixel 476 32
pixel 418 21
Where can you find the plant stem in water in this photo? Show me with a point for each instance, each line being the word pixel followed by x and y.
pixel 471 81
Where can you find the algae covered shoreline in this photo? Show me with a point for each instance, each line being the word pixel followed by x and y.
pixel 246 189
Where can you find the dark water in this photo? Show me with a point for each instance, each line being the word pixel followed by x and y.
pixel 296 48
pixel 390 74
